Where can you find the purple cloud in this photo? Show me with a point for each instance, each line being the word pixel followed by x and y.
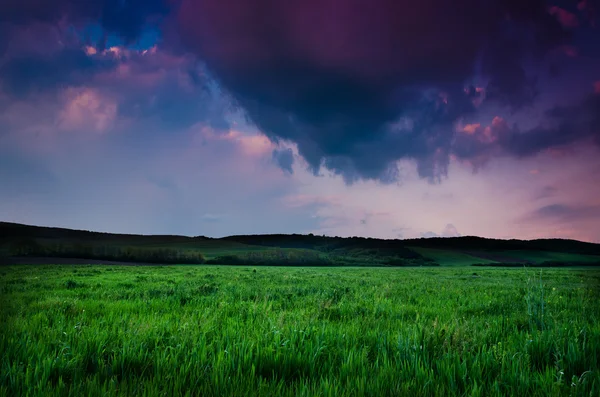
pixel 333 76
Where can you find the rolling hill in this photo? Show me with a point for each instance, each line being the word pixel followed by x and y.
pixel 18 240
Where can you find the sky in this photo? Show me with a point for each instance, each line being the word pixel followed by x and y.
pixel 396 119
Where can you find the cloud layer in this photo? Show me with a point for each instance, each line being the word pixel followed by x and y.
pixel 336 77
pixel 355 88
pixel 325 116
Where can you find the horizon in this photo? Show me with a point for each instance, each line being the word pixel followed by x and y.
pixel 284 234
pixel 181 117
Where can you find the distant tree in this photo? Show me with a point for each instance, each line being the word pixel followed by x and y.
pixel 26 247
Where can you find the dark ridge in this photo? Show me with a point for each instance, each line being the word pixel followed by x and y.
pixel 354 246
pixel 17 230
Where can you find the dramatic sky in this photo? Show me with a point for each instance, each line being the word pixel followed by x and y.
pixel 384 118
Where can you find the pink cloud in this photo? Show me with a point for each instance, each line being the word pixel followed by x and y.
pixel 450 231
pixel 89 50
pixel 567 19
pixel 251 145
pixel 87 108
pixel 471 129
pixel 475 144
pixel 488 134
pixel 479 97
pixel 597 87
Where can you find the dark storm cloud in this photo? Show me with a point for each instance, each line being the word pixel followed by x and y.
pixel 566 124
pixel 125 18
pixel 31 71
pixel 333 75
pixel 42 51
pixel 25 74
pixel 170 90
pixel 563 125
pixel 284 158
pixel 34 70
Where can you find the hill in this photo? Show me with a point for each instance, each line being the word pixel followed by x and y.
pixel 18 240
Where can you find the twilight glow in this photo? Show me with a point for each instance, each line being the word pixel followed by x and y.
pixel 217 117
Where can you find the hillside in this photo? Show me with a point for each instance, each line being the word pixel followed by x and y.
pixel 17 240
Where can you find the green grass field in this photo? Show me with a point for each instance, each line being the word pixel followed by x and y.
pixel 541 256
pixel 449 257
pixel 217 331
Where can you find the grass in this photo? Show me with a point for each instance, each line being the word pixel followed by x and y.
pixel 214 331
pixel 208 248
pixel 542 256
pixel 450 258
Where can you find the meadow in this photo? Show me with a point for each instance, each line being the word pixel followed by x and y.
pixel 298 331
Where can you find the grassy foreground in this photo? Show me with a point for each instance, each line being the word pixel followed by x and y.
pixel 209 330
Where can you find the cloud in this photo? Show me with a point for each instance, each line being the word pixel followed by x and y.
pixel 334 77
pixel 546 192
pixel 564 213
pixel 284 158
pixel 354 90
pixel 562 126
pixel 168 90
pixel 35 73
pixel 87 89
pixel 589 9
pixel 450 231
pixel 429 234
pixel 126 19
pixel 566 18
pixel 399 231
pixel 87 109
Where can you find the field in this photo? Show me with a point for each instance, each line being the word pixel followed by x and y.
pixel 223 330
pixel 450 258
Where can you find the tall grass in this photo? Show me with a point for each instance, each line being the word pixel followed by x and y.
pixel 214 331
pixel 306 257
pixel 535 302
